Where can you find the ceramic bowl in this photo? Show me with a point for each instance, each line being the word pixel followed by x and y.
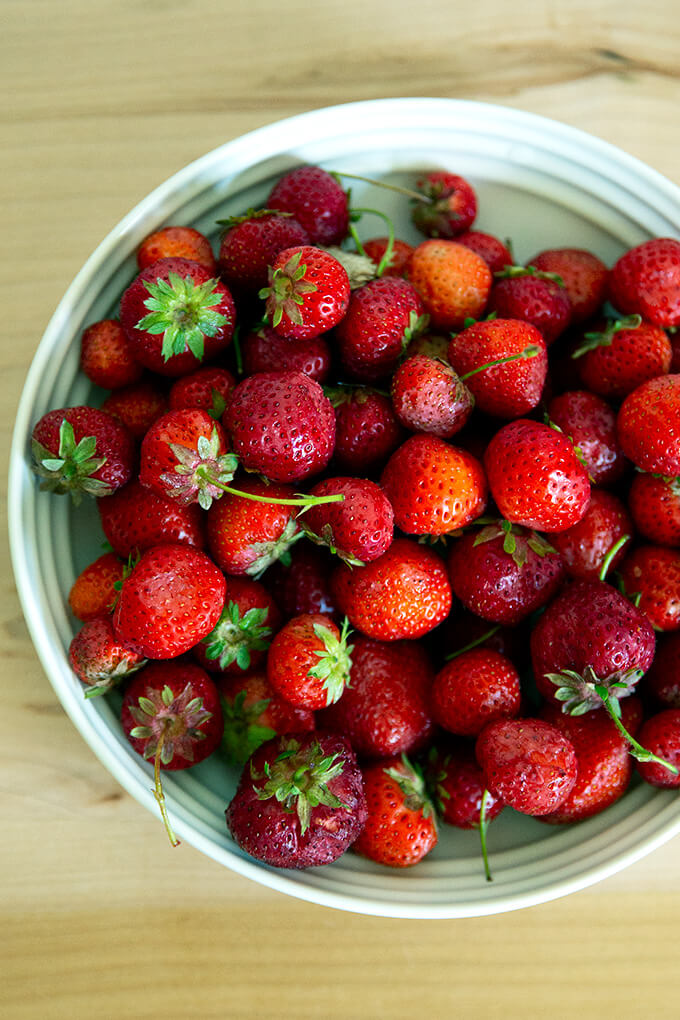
pixel 540 183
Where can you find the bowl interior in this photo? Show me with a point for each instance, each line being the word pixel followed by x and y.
pixel 539 184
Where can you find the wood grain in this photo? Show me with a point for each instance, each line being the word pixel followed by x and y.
pixel 106 99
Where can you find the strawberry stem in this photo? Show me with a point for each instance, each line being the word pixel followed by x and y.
pixel 305 501
pixel 529 352
pixel 387 254
pixel 483 828
pixel 473 644
pixel 640 753
pixel 604 570
pixel 408 192
pixel 158 789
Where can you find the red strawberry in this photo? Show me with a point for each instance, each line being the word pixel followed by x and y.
pixel 246 537
pixel 530 764
pixel 99 659
pixel 239 640
pixel 175 314
pixel 81 450
pixel 401 827
pixel 661 735
pixel 451 207
pixel 176 242
pixel 309 661
pixel 382 318
pixel 583 274
pixel 106 357
pixel 254 712
pixel 590 645
pixel 316 200
pixel 474 689
pixel 266 351
pixel 384 710
pixel 282 425
pixel 303 584
pixel 137 406
pixel 458 787
pixel 496 254
pixel 654 505
pixel 93 592
pixel 432 345
pixel 503 572
pixel 648 425
pixel 134 519
pixel 527 294
pixel 651 573
pixel 618 355
pixel 590 423
pixel 663 678
pixel 452 280
pixel 514 386
pixel 428 396
pixel 601 536
pixel 646 281
pixel 433 487
pixel 208 388
pixel 535 476
pixel 171 599
pixel 307 292
pixel 360 528
pixel 397 264
pixel 300 801
pixel 405 593
pixel 250 244
pixel 367 429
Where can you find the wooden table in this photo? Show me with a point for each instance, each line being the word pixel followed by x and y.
pixel 104 100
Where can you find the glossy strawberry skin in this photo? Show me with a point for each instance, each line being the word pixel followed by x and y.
pixel 405 593
pixel 434 487
pixel 543 303
pixel 250 246
pixel 584 275
pixel 134 519
pixel 245 537
pixel 137 406
pixel 661 735
pixel 397 265
pixel 654 572
pixel 367 430
pixel 400 829
pixel 106 357
pixel 293 655
pixel 590 423
pixel 360 528
pixel 384 710
pixel 182 428
pixel 663 679
pixel 98 659
pixel 266 351
pixel 452 207
pixel 308 292
pixel 475 688
pixel 255 712
pixel 585 546
pixel 535 476
pixel 207 388
pixel 303 584
pixel 654 505
pixel 229 645
pixel 530 764
pixel 452 280
pixel 281 425
pixel 171 599
pixel 496 254
pixel 316 200
pixel 428 396
pixel 646 281
pixel 93 593
pixel 458 786
pixel 113 442
pixel 634 355
pixel 176 242
pixel 648 425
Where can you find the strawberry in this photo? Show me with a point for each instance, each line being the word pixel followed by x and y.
pixel 400 256
pixel 384 709
pixel 208 388
pixel 530 764
pixel 651 574
pixel 137 406
pixel 654 505
pixel 504 363
pixel 282 425
pixel 300 801
pixel 452 280
pixel 503 572
pixel 266 351
pixel 93 592
pixel 250 244
pixel 646 281
pixel 254 712
pixel 599 541
pixel 451 207
pixel 584 276
pixel 535 297
pixel 307 292
pixel 176 242
pixel 309 661
pixel 474 689
pixel 535 476
pixel 618 355
pixel 590 645
pixel 81 450
pixel 106 356
pixel 432 345
pixel 239 640
pixel 245 537
pixel 428 396
pixel 360 528
pixel 134 519
pixel 401 826
pixel 648 426
pixel 302 585
pixel 661 734
pixel 382 318
pixel 663 679
pixel 175 314
pixel 316 200
pixel 171 599
pixel 434 487
pixel 99 659
pixel 590 423
pixel 496 254
pixel 458 788
pixel 367 429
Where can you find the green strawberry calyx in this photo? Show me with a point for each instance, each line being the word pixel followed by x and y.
pixel 409 778
pixel 517 541
pixel 236 635
pixel 327 538
pixel 184 312
pixel 287 289
pixel 244 731
pixel 335 660
pixel 299 779
pixel 104 678
pixel 605 337
pixel 200 472
pixel 513 272
pixel 73 468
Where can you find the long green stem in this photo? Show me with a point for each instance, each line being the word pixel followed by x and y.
pixel 158 790
pixel 473 644
pixel 483 828
pixel 639 752
pixel 529 352
pixel 607 562
pixel 302 501
pixel 408 192
pixel 387 254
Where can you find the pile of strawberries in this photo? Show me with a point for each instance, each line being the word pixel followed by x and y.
pixel 393 528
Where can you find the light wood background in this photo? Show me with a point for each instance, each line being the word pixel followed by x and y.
pixel 103 100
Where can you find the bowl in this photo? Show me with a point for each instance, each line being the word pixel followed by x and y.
pixel 539 182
